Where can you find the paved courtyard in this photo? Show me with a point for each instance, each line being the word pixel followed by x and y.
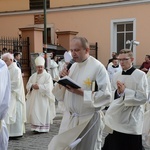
pixel 35 141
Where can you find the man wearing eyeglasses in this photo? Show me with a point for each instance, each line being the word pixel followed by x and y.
pixel 125 114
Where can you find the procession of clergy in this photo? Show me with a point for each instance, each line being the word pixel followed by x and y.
pixel 108 112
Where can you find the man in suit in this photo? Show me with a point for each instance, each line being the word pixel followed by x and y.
pixel 17 57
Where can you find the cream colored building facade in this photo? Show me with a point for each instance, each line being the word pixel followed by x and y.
pixel 109 22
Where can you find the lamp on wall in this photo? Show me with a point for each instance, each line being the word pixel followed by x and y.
pixel 132 42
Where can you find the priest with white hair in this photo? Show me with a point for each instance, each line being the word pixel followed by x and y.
pixel 16 115
pixel 5 93
pixel 40 100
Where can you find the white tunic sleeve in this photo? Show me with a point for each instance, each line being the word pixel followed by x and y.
pixel 59 92
pixel 5 91
pixel 5 94
pixel 110 72
pixel 15 80
pixel 46 88
pixel 102 96
pixel 29 84
pixel 139 96
pixel 53 64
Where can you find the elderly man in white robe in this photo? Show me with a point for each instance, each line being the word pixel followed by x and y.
pixel 5 93
pixel 40 100
pixel 126 113
pixel 16 115
pixel 82 123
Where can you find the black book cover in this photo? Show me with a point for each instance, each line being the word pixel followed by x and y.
pixel 68 81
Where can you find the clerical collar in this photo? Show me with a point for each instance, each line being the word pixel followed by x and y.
pixel 115 66
pixel 83 62
pixel 15 60
pixel 129 71
pixel 85 59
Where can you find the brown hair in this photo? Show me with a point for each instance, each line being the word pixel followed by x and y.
pixel 83 40
pixel 126 51
pixel 148 56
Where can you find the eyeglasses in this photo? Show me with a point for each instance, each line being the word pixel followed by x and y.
pixel 123 59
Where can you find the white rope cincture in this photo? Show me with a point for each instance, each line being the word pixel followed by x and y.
pixel 77 141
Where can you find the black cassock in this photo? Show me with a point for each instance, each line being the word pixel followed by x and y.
pixel 123 141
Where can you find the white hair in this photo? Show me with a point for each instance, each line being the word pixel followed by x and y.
pixel 8 55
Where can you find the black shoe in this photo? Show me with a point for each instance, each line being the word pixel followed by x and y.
pixel 143 148
pixel 15 137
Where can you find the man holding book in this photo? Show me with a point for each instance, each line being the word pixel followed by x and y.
pixel 82 123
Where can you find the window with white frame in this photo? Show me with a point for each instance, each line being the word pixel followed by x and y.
pixel 124 32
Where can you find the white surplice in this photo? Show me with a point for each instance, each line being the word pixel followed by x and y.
pixel 126 113
pixel 5 93
pixel 146 127
pixel 61 65
pixel 112 70
pixel 54 69
pixel 41 102
pixel 16 115
pixel 80 112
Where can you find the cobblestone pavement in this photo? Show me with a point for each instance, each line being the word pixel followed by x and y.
pixel 35 141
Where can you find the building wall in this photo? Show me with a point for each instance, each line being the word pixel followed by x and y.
pixel 16 5
pixel 94 24
pixel 13 5
pixel 64 3
pixel 10 24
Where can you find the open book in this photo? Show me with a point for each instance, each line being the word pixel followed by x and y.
pixel 68 81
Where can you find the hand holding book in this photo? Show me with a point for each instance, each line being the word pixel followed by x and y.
pixel 68 81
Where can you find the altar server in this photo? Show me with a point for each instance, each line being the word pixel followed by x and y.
pixel 126 112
